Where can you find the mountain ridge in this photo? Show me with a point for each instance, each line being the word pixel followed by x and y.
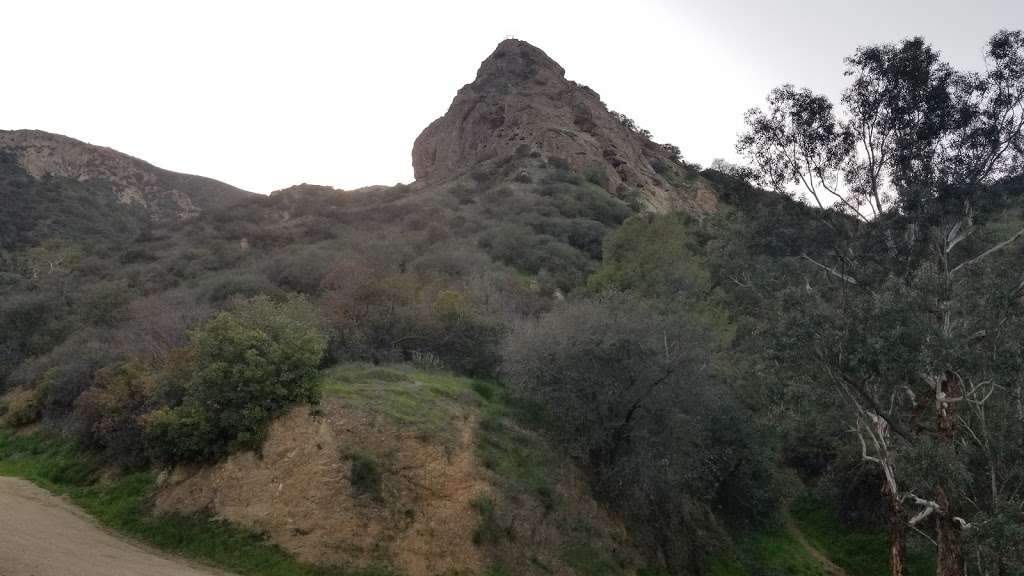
pixel 163 194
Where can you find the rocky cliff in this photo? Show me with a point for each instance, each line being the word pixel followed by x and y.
pixel 521 99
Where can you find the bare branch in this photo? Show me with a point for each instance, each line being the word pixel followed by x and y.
pixel 991 250
pixel 832 270
pixel 929 507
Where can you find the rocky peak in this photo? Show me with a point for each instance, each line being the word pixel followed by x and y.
pixel 514 63
pixel 160 193
pixel 521 99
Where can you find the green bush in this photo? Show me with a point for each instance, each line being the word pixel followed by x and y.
pixel 465 341
pixel 366 477
pixel 244 367
pixel 489 531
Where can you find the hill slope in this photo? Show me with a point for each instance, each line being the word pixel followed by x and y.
pixel 55 186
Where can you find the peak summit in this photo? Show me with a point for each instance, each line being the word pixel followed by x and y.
pixel 521 101
pixel 516 61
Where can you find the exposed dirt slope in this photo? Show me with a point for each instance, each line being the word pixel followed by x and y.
pixel 387 473
pixel 42 535
pixel 301 493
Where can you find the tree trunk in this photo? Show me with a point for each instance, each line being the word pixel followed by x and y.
pixel 897 536
pixel 949 539
pixel 950 555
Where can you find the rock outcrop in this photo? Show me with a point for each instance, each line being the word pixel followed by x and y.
pixel 521 98
pixel 164 195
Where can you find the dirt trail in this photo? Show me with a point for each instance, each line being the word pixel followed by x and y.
pixel 827 565
pixel 42 535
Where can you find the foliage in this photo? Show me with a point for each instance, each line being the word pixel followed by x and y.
pixel 625 389
pixel 366 477
pixel 19 408
pixel 654 258
pixel 913 318
pixel 107 416
pixel 36 210
pixel 489 531
pixel 859 553
pixel 244 367
pixel 913 130
pixel 387 318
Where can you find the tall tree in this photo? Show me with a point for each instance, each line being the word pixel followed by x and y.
pixel 905 325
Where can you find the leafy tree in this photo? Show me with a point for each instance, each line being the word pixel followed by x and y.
pixel 912 320
pixel 741 173
pixel 626 389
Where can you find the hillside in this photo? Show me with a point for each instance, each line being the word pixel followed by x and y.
pixel 561 350
pixel 400 468
pixel 54 186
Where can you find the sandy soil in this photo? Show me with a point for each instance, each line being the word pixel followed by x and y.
pixel 299 491
pixel 42 535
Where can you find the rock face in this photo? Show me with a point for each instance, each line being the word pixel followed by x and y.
pixel 164 195
pixel 521 98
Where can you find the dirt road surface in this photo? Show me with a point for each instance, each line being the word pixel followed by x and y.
pixel 42 535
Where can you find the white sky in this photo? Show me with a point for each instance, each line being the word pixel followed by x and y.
pixel 264 95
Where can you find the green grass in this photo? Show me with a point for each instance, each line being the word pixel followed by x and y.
pixel 771 552
pixel 859 553
pixel 122 504
pixel 489 530
pixel 424 400
pixel 518 457
pixel 366 477
pixel 590 561
pixel 427 401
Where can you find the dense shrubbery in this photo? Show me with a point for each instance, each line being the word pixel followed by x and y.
pixel 39 210
pixel 384 317
pixel 242 368
pixel 182 343
pixel 108 416
pixel 629 388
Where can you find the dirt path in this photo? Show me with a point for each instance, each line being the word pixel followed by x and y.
pixel 793 528
pixel 42 535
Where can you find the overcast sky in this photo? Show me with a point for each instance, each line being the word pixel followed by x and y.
pixel 264 95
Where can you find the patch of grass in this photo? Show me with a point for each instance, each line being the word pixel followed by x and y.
pixel 366 477
pixel 489 531
pixel 518 457
pixel 859 553
pixel 589 561
pixel 771 552
pixel 487 390
pixel 121 504
pixel 425 400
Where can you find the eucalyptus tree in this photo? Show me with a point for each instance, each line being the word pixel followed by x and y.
pixel 916 319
